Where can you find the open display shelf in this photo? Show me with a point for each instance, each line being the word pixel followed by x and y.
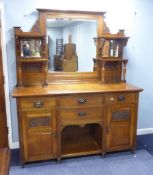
pixel 31 51
pixel 109 61
pixel 81 140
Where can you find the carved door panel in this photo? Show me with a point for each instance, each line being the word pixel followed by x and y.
pixel 120 127
pixel 40 135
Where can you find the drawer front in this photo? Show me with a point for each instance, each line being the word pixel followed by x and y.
pixel 81 100
pixel 121 98
pixel 85 113
pixel 38 103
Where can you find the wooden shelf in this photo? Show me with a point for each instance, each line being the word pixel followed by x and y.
pixel 19 33
pixel 29 35
pixel 81 146
pixel 112 59
pixel 27 60
pixel 112 37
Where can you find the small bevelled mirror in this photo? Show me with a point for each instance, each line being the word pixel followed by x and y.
pixel 31 48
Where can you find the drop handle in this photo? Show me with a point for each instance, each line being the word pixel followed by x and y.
pixel 38 104
pixel 121 98
pixel 82 100
pixel 82 114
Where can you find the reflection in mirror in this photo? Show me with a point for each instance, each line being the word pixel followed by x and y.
pixel 70 43
pixel 30 48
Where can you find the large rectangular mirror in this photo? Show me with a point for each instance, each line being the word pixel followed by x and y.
pixel 70 38
pixel 60 48
pixel 70 43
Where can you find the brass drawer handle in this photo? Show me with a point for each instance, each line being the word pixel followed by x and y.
pixel 38 104
pixel 121 98
pixel 82 101
pixel 111 99
pixel 82 114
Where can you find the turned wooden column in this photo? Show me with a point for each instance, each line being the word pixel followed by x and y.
pixel 103 71
pixel 19 74
pixel 124 70
pixel 45 72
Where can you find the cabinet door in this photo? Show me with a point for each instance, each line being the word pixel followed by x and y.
pixel 121 127
pixel 39 135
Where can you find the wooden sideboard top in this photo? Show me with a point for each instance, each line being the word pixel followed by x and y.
pixel 61 89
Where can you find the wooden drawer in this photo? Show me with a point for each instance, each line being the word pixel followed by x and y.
pixel 82 114
pixel 81 100
pixel 121 98
pixel 37 103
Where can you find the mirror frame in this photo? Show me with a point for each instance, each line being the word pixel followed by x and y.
pixel 45 14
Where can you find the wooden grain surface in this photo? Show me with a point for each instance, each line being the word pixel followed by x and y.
pixel 59 89
pixel 4 161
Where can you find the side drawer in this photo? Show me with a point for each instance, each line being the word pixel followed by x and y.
pixel 81 100
pixel 37 102
pixel 121 98
pixel 81 114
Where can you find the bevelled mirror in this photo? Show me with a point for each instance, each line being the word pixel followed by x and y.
pixel 70 39
pixel 70 43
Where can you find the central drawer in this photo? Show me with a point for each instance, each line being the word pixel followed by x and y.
pixel 81 100
pixel 81 114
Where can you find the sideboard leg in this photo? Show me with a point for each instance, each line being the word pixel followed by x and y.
pixel 59 160
pixel 22 165
pixel 133 151
pixel 102 155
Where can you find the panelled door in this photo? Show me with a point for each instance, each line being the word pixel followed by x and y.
pixel 120 127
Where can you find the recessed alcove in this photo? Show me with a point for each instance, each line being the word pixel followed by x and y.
pixel 82 140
